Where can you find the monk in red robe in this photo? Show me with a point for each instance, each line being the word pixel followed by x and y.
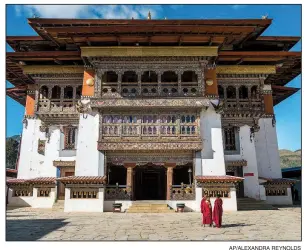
pixel 202 206
pixel 207 214
pixel 218 211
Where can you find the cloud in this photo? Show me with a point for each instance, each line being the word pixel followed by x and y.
pixel 238 6
pixel 90 11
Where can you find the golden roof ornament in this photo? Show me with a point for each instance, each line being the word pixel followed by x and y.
pixel 149 15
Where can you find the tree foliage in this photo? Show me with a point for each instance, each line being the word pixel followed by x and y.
pixel 12 145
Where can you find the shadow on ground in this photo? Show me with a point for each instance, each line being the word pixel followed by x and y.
pixel 236 225
pixel 31 230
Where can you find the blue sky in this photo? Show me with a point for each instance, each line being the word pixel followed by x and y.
pixel 286 22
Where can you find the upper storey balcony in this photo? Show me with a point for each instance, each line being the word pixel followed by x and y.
pixel 150 84
pixel 58 101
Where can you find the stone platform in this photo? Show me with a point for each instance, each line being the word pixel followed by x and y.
pixel 26 224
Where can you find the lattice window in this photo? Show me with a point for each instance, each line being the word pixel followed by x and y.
pixel 70 137
pixel 22 191
pixel 230 138
pixel 84 193
pixel 43 192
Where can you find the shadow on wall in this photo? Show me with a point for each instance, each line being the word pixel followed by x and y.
pixel 31 230
pixel 18 202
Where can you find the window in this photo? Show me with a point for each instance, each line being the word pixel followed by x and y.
pixel 69 137
pixel 230 139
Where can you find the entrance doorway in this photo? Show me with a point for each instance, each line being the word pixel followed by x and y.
pixel 64 172
pixel 150 183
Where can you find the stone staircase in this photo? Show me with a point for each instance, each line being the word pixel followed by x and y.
pixel 247 204
pixel 150 208
pixel 58 206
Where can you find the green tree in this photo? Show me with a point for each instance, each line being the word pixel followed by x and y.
pixel 11 152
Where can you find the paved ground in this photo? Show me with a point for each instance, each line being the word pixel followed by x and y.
pixel 31 224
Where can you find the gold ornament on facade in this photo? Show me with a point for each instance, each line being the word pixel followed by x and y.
pixel 90 82
pixel 209 82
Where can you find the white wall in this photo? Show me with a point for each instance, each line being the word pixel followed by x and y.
pixel 280 200
pixel 44 202
pixel 31 163
pixel 83 205
pixel 262 193
pixel 89 161
pixel 19 201
pixel 247 148
pixel 266 145
pixel 211 133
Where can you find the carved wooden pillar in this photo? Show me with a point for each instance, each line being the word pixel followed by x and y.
pixel 129 182
pixel 119 82
pixel 169 167
pixel 159 73
pixel 139 81
pixel 237 92
pixel 225 96
pixel 48 97
pixel 74 97
pixel 61 96
pixel 179 75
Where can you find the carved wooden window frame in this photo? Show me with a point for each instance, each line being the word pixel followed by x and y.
pixel 84 193
pixel 70 133
pixel 231 134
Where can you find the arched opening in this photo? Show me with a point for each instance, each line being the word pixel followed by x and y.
pixel 110 76
pixel 220 90
pixel 56 91
pixel 243 92
pixel 149 76
pixel 254 92
pixel 129 76
pixel 44 92
pixel 189 76
pixel 68 92
pixel 231 92
pixel 169 76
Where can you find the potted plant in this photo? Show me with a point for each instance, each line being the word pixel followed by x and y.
pixel 180 207
pixel 117 207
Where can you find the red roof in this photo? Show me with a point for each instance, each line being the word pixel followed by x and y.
pixel 278 180
pixel 43 180
pixel 215 178
pixel 83 179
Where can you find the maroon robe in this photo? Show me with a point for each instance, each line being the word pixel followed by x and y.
pixel 218 212
pixel 207 213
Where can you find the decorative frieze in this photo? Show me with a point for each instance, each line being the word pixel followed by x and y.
pixel 113 146
pixel 64 163
pixel 149 51
pixel 55 69
pixel 151 103
pixel 246 69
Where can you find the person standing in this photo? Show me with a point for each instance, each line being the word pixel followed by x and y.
pixel 207 212
pixel 202 207
pixel 218 211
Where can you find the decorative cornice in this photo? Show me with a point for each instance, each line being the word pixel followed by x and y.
pixel 246 69
pixel 150 103
pixel 240 163
pixel 129 51
pixel 176 146
pixel 56 69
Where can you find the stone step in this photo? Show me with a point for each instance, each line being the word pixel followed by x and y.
pixel 150 211
pixel 252 204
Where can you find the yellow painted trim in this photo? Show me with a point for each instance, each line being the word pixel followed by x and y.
pixel 149 51
pixel 246 69
pixel 51 69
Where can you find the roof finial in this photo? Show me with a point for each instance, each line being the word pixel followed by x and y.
pixel 165 18
pixel 149 15
pixel 265 17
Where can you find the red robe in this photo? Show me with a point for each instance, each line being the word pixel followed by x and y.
pixel 202 205
pixel 207 213
pixel 218 212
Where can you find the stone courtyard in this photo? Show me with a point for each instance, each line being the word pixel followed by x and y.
pixel 27 224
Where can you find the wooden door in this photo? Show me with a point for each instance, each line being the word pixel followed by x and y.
pixel 61 193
